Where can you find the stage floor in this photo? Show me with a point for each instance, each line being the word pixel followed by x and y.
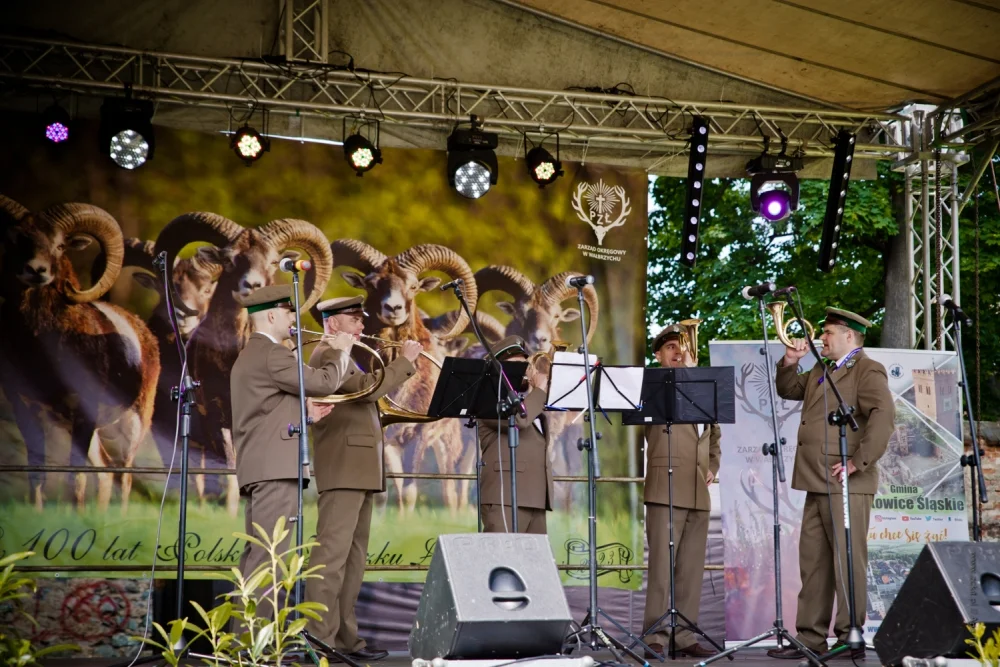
pixel 751 657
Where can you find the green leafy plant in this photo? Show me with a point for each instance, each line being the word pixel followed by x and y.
pixel 237 634
pixel 988 653
pixel 15 650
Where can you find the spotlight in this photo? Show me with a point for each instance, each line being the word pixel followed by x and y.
pixel 126 132
pixel 249 145
pixel 542 167
pixel 695 191
pixel 472 162
pixel 843 158
pixel 56 121
pixel 767 173
pixel 361 153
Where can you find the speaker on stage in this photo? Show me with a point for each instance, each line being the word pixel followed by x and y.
pixel 491 595
pixel 951 586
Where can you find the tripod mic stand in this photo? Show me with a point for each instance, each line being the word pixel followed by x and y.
pixel 302 432
pixel 672 612
pixel 774 450
pixel 509 405
pixel 591 625
pixel 841 417
pixel 976 480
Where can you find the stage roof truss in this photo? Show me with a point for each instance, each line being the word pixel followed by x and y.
pixel 651 125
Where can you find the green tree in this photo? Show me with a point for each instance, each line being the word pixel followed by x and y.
pixel 738 248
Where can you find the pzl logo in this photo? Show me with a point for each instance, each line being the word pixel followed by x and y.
pixel 896 371
pixel 606 207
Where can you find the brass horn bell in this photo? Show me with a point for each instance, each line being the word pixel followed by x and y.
pixel 777 309
pixel 689 337
pixel 390 411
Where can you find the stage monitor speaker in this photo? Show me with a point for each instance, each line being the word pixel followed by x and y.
pixel 491 596
pixel 952 585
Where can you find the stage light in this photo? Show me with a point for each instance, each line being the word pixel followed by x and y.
pixel 126 133
pixel 249 145
pixel 695 191
pixel 774 187
pixel 361 154
pixel 542 167
pixel 843 158
pixel 472 162
pixel 56 120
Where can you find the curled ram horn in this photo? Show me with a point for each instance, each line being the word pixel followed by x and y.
pixel 288 233
pixel 505 279
pixel 431 257
pixel 554 291
pixel 10 212
pixel 197 226
pixel 99 224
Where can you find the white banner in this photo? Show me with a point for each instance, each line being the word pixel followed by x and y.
pixel 921 495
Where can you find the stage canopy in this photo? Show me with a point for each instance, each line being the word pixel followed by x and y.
pixel 759 54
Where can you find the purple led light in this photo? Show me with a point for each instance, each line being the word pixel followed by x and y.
pixel 57 132
pixel 775 205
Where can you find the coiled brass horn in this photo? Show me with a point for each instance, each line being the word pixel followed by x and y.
pixel 354 395
pixel 777 309
pixel 391 412
pixel 689 337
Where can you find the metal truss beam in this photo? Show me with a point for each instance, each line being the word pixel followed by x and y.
pixel 305 29
pixel 652 125
pixel 933 251
pixel 981 110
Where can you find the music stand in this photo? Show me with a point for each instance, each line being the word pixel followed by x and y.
pixel 683 396
pixel 467 388
pixel 614 389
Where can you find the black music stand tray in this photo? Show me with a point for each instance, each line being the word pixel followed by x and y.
pixel 683 396
pixel 472 389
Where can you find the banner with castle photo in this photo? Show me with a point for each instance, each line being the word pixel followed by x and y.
pixel 88 358
pixel 921 493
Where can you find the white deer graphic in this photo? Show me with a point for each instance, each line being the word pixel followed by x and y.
pixel 602 200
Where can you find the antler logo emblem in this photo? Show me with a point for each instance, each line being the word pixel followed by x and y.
pixel 606 207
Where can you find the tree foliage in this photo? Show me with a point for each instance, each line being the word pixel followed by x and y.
pixel 738 248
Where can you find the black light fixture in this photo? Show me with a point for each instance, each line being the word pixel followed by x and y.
pixel 843 158
pixel 768 174
pixel 249 144
pixel 126 132
pixel 359 151
pixel 55 121
pixel 542 167
pixel 695 191
pixel 472 160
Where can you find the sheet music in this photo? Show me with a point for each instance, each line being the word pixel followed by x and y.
pixel 566 387
pixel 621 388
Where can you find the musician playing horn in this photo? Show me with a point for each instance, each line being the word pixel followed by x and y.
pixel 694 455
pixel 349 471
pixel 822 547
pixel 265 398
pixel 534 473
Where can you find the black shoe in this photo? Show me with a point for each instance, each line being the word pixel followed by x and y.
pixel 787 653
pixel 847 654
pixel 368 653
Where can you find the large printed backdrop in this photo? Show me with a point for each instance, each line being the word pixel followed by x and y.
pixel 92 389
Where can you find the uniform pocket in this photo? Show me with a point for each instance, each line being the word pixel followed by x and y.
pixel 360 441
pixel 506 467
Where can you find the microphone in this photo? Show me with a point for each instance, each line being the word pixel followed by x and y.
pixel 757 291
pixel 579 281
pixel 945 300
pixel 289 265
pixel 160 261
pixel 457 282
pixel 784 290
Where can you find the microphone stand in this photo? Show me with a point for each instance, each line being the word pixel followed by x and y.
pixel 302 431
pixel 599 639
pixel 973 462
pixel 841 417
pixel 184 393
pixel 510 405
pixel 774 450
